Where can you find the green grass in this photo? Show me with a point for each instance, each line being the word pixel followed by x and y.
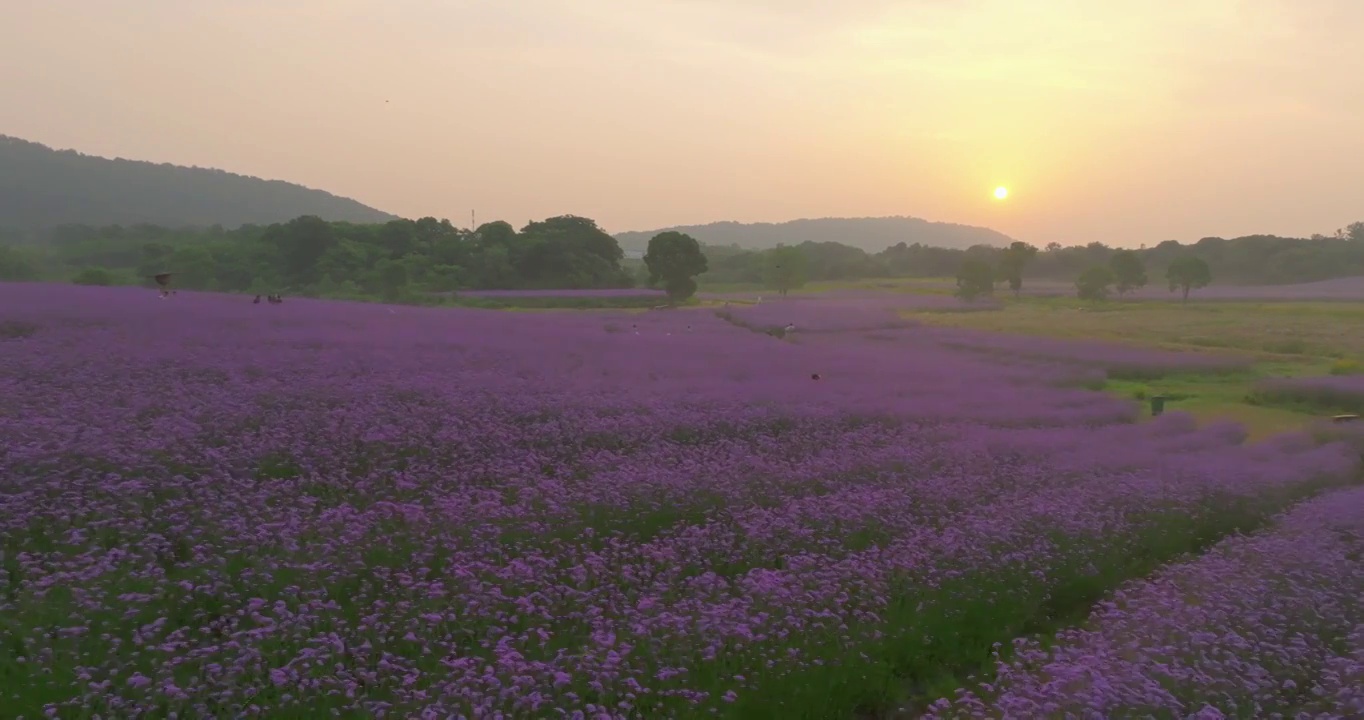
pixel 917 286
pixel 1286 339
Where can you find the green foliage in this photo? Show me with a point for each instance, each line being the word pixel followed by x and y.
pixel 296 256
pixel 1094 283
pixel 864 235
pixel 1250 260
pixel 16 265
pixel 1012 261
pixel 975 278
pixel 675 259
pixel 1129 272
pixel 1188 272
pixel 787 269
pixel 398 261
pixel 1347 367
pixel 567 252
pixel 93 276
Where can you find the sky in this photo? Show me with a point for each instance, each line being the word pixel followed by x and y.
pixel 1121 122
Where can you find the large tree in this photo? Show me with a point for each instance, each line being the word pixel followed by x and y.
pixel 16 265
pixel 675 259
pixel 1093 284
pixel 301 242
pixel 1188 272
pixel 1129 272
pixel 1012 260
pixel 975 278
pixel 569 251
pixel 786 269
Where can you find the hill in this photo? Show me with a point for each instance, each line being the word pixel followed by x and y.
pixel 41 187
pixel 868 234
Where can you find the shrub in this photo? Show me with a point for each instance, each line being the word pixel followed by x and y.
pixel 93 276
pixel 1347 367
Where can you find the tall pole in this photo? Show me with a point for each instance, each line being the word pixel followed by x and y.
pixel 473 224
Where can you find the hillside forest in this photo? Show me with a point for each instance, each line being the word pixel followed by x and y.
pixel 409 260
pixel 41 188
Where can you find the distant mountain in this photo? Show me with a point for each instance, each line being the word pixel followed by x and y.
pixel 41 187
pixel 870 234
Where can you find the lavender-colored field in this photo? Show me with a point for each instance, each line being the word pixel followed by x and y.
pixel 844 312
pixel 1263 626
pixel 1345 392
pixel 1116 359
pixel 881 312
pixel 607 293
pixel 220 509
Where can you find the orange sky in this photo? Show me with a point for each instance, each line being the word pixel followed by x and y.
pixel 1119 122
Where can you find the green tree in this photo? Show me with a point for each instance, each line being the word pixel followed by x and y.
pixel 975 278
pixel 1188 272
pixel 491 268
pixel 15 265
pixel 1094 283
pixel 675 259
pixel 498 233
pixel 93 276
pixel 1012 261
pixel 301 242
pixel 786 269
pixel 445 278
pixel 390 279
pixel 1129 272
pixel 398 238
pixel 194 267
pixel 568 252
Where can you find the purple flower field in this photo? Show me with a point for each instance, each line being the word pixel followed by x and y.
pixel 844 312
pixel 219 509
pixel 1117 360
pixel 1269 625
pixel 1341 392
pixel 607 293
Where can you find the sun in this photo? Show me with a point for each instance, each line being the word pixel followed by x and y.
pixel 1001 192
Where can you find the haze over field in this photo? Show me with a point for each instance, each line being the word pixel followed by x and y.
pixel 912 359
pixel 1124 123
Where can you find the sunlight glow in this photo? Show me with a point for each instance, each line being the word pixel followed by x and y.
pixel 1001 192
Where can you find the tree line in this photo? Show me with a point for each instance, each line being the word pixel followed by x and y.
pixel 1124 272
pixel 400 260
pixel 1249 260
pixel 408 260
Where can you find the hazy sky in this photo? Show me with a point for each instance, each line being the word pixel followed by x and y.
pixel 1125 122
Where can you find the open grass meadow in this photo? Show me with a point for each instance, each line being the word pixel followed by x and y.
pixel 1279 340
pixel 892 507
